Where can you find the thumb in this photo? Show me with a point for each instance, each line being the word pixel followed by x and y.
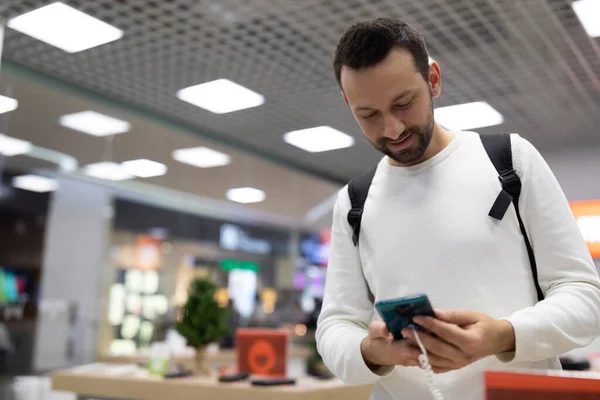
pixel 458 317
pixel 378 330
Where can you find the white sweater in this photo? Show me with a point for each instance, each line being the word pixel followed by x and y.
pixel 426 229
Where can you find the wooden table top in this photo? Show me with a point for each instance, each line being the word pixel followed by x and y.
pixel 138 385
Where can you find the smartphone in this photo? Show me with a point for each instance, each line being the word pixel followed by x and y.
pixel 274 382
pixel 398 313
pixel 227 378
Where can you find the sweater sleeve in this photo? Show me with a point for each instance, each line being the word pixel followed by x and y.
pixel 569 316
pixel 347 310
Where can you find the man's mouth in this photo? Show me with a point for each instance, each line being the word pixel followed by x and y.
pixel 401 139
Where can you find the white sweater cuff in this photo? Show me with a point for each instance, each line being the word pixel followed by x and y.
pixel 526 338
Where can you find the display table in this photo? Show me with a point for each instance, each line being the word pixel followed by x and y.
pixel 140 386
pixel 219 357
pixel 542 385
pixel 296 364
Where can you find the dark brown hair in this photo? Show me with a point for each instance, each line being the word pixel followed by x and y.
pixel 367 43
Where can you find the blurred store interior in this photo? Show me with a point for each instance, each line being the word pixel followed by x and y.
pixel 120 186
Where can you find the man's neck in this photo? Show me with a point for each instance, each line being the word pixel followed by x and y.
pixel 440 139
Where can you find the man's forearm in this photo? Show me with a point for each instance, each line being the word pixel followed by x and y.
pixel 566 320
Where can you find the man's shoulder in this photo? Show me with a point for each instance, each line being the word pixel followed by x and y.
pixel 342 201
pixel 522 152
pixel 521 149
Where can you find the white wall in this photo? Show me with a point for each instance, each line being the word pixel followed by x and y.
pixel 577 170
pixel 75 255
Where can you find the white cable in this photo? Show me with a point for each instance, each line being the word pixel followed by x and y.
pixel 424 360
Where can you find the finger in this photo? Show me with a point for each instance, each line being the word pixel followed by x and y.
pixel 378 330
pixel 448 332
pixel 438 347
pixel 458 317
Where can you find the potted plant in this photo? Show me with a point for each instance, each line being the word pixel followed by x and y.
pixel 314 363
pixel 202 320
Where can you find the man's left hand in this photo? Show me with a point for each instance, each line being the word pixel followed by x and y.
pixel 461 337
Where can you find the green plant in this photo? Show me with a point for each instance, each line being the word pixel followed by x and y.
pixel 202 321
pixel 314 363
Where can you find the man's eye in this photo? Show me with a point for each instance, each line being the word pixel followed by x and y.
pixel 368 116
pixel 404 105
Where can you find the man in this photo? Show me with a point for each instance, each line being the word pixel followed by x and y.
pixel 425 229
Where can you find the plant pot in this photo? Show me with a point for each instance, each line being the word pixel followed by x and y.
pixel 200 364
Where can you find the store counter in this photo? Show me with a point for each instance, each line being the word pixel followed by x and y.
pixel 227 356
pixel 296 360
pixel 131 384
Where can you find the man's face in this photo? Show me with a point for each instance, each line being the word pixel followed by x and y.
pixel 393 105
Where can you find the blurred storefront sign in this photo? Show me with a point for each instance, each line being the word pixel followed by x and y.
pixel 234 238
pixel 147 253
pixel 587 214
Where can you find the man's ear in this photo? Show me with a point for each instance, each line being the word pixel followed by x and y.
pixel 344 97
pixel 435 79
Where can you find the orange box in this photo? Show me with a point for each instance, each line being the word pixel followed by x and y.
pixel 262 352
pixel 587 214
pixel 542 385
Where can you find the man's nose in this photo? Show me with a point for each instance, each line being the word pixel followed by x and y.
pixel 393 127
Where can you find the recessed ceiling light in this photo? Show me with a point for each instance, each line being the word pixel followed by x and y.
pixel 65 27
pixel 468 116
pixel 94 123
pixel 322 138
pixel 588 12
pixel 246 195
pixel 7 104
pixel 13 147
pixel 108 170
pixel 144 168
pixel 221 96
pixel 201 157
pixel 35 183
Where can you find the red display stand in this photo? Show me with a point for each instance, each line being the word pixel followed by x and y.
pixel 538 385
pixel 262 352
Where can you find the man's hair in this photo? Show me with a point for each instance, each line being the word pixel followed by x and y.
pixel 367 43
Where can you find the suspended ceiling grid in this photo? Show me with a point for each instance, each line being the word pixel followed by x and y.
pixel 530 59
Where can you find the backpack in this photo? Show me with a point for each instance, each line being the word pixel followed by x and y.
pixel 498 149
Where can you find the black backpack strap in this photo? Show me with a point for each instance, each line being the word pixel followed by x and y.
pixel 499 150
pixel 358 189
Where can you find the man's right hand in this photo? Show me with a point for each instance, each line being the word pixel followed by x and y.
pixel 380 349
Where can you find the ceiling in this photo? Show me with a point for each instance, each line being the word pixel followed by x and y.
pixel 289 193
pixel 531 60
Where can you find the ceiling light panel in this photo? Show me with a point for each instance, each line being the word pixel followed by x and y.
pixel 7 104
pixel 65 27
pixel 221 96
pixel 468 116
pixel 13 147
pixel 588 12
pixel 144 168
pixel 35 183
pixel 201 157
pixel 108 171
pixel 93 123
pixel 322 138
pixel 246 195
